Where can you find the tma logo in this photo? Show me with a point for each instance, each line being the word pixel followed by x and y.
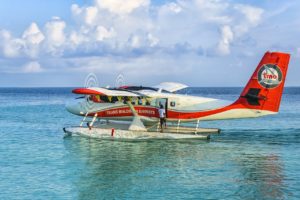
pixel 269 76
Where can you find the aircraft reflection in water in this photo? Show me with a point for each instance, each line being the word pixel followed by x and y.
pixel 263 175
pixel 121 169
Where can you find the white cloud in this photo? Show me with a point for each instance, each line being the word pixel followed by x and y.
pixel 55 35
pixel 121 7
pixel 102 33
pixel 76 10
pixel 11 47
pixel 253 14
pixel 152 40
pixel 133 35
pixel 213 10
pixel 135 41
pixel 32 38
pixel 55 32
pixel 32 67
pixel 91 14
pixel 27 45
pixel 33 34
pixel 225 40
pixel 251 18
pixel 174 7
pixel 134 67
pixel 113 24
pixel 115 27
pixel 87 15
pixel 77 38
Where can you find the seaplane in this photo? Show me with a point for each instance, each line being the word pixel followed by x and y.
pixel 132 112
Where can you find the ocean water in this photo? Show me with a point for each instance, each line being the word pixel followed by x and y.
pixel 250 159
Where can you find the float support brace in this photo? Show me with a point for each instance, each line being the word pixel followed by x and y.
pixel 85 116
pixel 178 124
pixel 197 126
pixel 94 119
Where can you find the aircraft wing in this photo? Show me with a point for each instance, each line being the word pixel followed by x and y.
pixel 171 86
pixel 105 92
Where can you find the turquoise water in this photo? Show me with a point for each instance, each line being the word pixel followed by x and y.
pixel 251 159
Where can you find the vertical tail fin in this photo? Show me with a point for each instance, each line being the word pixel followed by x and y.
pixel 265 87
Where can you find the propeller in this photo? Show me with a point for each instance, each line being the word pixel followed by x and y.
pixel 91 80
pixel 120 81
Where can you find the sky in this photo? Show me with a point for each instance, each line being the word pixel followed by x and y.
pixel 197 42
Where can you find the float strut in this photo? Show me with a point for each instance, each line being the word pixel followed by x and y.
pixel 94 119
pixel 178 124
pixel 85 116
pixel 112 132
pixel 197 126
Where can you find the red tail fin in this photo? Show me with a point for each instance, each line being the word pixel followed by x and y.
pixel 264 89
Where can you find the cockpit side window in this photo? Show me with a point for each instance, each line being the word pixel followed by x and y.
pixel 94 98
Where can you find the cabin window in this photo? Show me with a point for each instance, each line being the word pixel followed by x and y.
pixel 172 104
pixel 140 101
pixel 104 99
pixel 114 99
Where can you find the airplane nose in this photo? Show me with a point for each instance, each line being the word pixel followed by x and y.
pixel 74 108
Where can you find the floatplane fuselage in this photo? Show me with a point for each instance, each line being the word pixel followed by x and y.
pixel 261 96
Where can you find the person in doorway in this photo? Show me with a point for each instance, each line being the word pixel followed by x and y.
pixel 162 117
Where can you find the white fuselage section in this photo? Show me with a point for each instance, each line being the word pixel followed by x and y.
pixel 175 105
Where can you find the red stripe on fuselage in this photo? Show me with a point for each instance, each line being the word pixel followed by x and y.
pixel 172 114
pixel 126 112
pixel 198 114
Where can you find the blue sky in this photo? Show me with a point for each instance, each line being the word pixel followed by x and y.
pixel 196 42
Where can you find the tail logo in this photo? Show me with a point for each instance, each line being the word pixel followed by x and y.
pixel 269 76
